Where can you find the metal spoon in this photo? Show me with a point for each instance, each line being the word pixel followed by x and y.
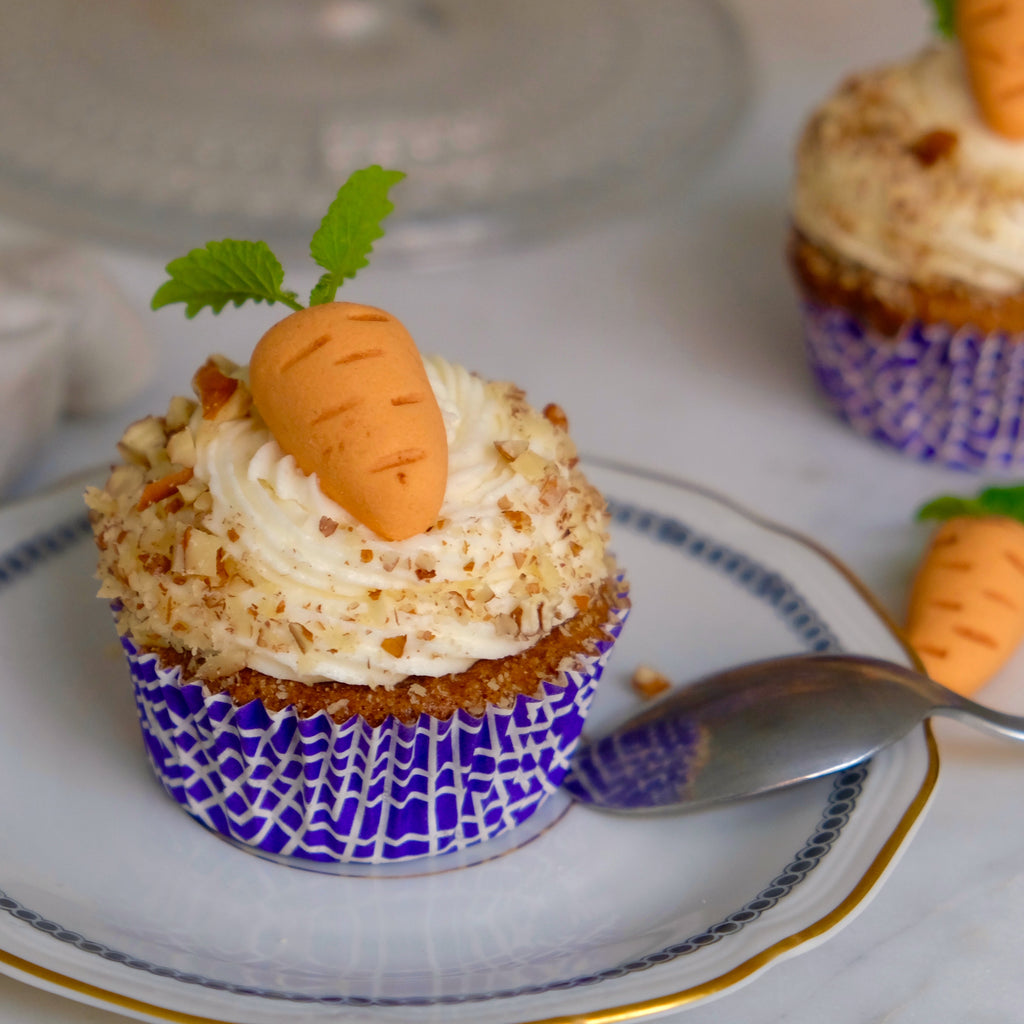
pixel 763 726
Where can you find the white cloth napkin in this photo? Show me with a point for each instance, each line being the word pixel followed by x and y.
pixel 69 343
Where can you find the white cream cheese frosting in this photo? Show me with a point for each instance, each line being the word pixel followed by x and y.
pixel 292 586
pixel 867 189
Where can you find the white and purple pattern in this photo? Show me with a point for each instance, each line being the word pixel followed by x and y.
pixel 325 793
pixel 955 396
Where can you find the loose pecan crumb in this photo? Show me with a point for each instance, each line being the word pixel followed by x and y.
pixel 649 682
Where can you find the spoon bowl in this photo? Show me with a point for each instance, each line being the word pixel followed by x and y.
pixel 763 726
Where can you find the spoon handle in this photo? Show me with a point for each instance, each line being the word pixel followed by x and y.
pixel 967 711
pixel 947 702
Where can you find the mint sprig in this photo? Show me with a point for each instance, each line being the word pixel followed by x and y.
pixel 945 17
pixel 993 501
pixel 223 272
pixel 237 271
pixel 351 225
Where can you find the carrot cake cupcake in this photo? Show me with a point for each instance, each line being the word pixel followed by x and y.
pixel 907 246
pixel 365 596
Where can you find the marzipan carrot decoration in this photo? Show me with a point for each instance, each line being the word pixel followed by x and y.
pixel 966 610
pixel 343 389
pixel 991 34
pixel 341 386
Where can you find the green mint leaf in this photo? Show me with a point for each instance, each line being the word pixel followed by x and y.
pixel 993 501
pixel 945 17
pixel 223 272
pixel 948 507
pixel 1003 501
pixel 346 235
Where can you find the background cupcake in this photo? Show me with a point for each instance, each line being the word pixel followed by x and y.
pixel 336 671
pixel 907 246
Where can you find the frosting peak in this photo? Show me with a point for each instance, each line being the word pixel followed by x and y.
pixel 295 587
pixel 896 171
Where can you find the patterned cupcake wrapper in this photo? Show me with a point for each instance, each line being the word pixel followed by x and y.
pixel 324 793
pixel 954 396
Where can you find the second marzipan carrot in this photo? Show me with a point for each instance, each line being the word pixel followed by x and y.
pixel 991 34
pixel 966 609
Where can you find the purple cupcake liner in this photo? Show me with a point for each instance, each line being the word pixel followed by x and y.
pixel 950 395
pixel 324 793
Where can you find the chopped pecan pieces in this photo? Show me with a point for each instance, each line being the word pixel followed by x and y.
pixel 213 387
pixel 520 520
pixel 555 415
pixel 394 645
pixel 934 146
pixel 511 450
pixel 157 490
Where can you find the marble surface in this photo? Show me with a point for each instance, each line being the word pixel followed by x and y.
pixel 673 342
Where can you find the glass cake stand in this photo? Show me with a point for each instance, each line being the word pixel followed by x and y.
pixel 163 123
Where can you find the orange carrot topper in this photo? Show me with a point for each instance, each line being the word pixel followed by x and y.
pixel 966 609
pixel 343 389
pixel 341 386
pixel 991 35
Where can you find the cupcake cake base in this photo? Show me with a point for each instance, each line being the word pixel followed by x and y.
pixel 954 396
pixel 322 792
pixel 923 372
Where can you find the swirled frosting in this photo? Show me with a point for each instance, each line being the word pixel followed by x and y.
pixel 285 582
pixel 897 172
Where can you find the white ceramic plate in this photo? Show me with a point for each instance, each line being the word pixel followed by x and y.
pixel 110 895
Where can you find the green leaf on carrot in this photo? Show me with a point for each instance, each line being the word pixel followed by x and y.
pixel 992 501
pixel 238 271
pixel 1003 501
pixel 223 272
pixel 346 235
pixel 945 17
pixel 947 507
